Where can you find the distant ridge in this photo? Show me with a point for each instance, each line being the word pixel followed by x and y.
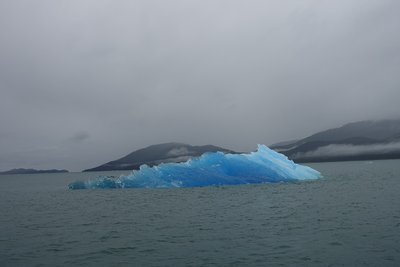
pixel 30 171
pixel 363 140
pixel 156 154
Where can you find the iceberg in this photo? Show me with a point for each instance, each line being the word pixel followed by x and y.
pixel 211 169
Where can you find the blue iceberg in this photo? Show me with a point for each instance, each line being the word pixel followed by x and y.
pixel 211 169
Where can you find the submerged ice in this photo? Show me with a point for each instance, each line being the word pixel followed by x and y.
pixel 262 166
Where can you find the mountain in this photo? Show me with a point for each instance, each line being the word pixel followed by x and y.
pixel 30 171
pixel 156 154
pixel 363 140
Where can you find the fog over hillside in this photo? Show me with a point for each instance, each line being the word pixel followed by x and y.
pixel 353 141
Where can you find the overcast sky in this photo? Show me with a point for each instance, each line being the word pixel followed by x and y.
pixel 86 82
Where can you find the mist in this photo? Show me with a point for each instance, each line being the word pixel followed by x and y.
pixel 350 150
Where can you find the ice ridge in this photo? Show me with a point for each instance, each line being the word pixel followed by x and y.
pixel 211 169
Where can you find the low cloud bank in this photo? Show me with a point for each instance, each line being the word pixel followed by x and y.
pixel 350 150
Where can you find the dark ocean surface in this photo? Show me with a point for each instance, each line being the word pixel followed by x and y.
pixel 351 217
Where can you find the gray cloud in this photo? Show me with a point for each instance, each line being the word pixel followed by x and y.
pixel 79 137
pixel 229 73
pixel 350 150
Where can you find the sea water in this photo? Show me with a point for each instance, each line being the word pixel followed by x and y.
pixel 351 217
